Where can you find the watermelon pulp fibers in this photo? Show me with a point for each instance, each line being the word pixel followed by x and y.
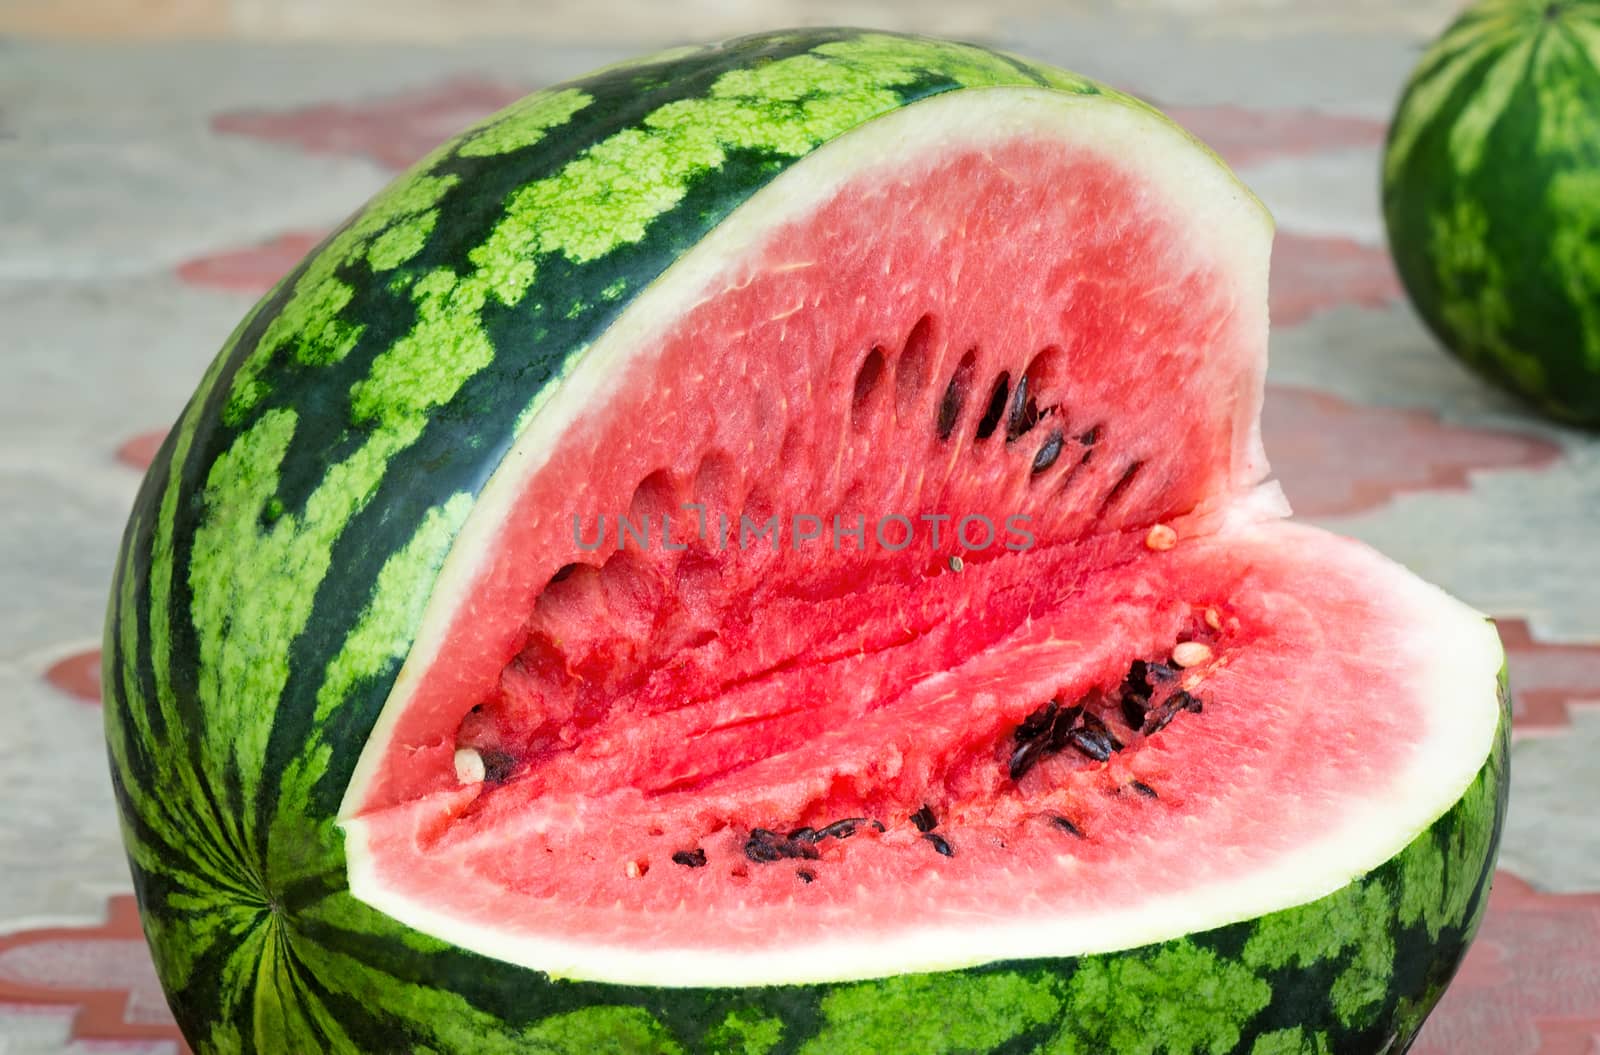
pixel 461 779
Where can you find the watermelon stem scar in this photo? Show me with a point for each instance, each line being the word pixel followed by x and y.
pixel 470 747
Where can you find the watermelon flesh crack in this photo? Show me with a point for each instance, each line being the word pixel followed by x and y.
pixel 1025 314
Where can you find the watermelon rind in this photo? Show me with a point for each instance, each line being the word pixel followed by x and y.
pixel 303 520
pixel 1491 196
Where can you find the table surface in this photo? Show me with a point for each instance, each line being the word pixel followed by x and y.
pixel 151 191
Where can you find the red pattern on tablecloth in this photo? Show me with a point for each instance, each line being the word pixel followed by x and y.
pixel 1336 457
pixel 253 269
pixel 102 973
pixel 1312 274
pixel 77 675
pixel 137 452
pixel 1548 680
pixel 393 131
pixel 1246 136
pixel 1530 985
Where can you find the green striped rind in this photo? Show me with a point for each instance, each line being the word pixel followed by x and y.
pixel 282 548
pixel 1492 197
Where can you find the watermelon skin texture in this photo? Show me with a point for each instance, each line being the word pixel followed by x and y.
pixel 276 564
pixel 1491 194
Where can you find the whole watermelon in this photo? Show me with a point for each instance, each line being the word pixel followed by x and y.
pixel 1491 194
pixel 501 661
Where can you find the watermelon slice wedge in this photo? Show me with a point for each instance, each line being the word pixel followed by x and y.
pixel 843 347
pixel 884 598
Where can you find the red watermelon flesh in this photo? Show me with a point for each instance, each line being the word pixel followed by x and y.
pixel 593 752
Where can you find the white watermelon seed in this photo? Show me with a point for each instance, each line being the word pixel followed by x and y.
pixel 1191 653
pixel 1160 537
pixel 469 766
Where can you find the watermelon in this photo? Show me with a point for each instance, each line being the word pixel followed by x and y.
pixel 1491 195
pixel 766 549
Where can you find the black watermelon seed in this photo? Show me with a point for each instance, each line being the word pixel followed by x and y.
pixel 955 395
pixel 695 858
pixel 1062 727
pixel 805 875
pixel 1096 747
pixel 1160 718
pixel 1133 711
pixel 762 852
pixel 1090 438
pixel 1187 701
pixel 1137 683
pixel 1023 758
pixel 1144 789
pixel 1024 412
pixel 843 829
pixel 997 406
pixel 924 819
pixel 1093 724
pixel 803 835
pixel 1037 723
pixel 1065 825
pixel 1160 672
pixel 497 766
pixel 938 842
pixel 949 411
pixel 1048 453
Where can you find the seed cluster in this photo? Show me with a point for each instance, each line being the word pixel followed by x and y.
pixel 1138 690
pixel 1019 408
pixel 766 846
pixel 1150 696
pixel 1053 728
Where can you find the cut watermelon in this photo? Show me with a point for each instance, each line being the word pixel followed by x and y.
pixel 875 635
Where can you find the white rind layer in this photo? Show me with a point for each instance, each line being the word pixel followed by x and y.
pixel 1458 656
